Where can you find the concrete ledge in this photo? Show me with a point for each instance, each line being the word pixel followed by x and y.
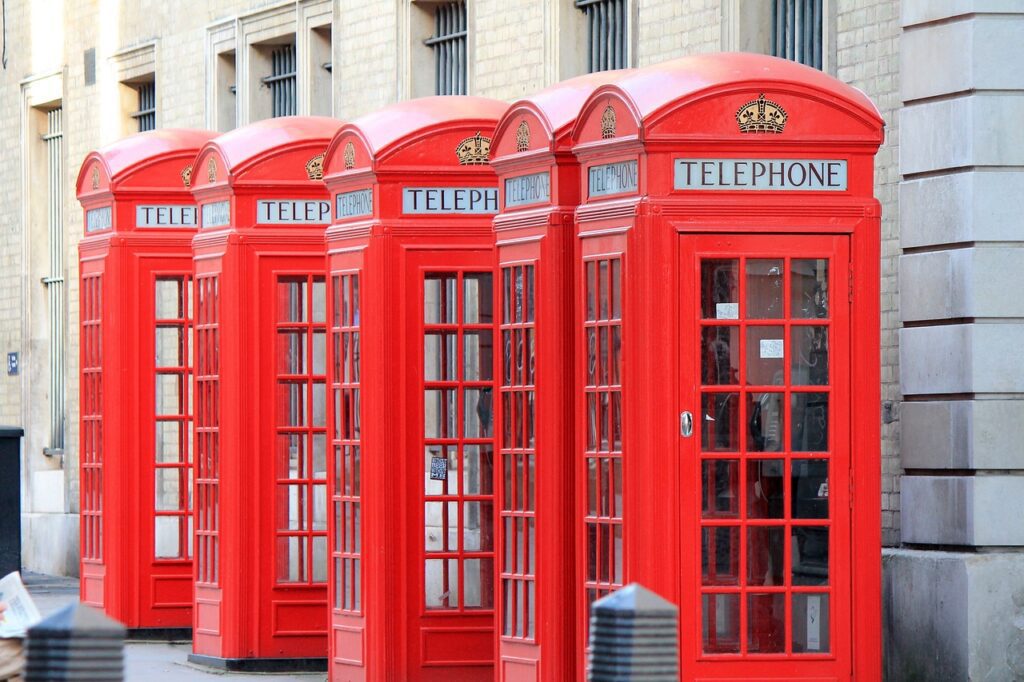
pixel 962 434
pixel 959 132
pixel 970 282
pixel 952 616
pixel 977 511
pixel 962 55
pixel 260 665
pixel 976 206
pixel 961 358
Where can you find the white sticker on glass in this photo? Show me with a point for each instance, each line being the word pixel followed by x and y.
pixel 813 622
pixel 727 311
pixel 771 348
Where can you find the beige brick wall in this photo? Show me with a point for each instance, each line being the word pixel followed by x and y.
pixel 666 29
pixel 508 49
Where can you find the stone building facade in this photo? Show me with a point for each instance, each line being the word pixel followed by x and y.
pixel 941 72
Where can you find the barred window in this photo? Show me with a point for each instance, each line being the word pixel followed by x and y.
pixel 281 81
pixel 606 33
pixel 146 114
pixel 54 280
pixel 449 45
pixel 797 31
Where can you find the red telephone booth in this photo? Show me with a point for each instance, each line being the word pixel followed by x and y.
pixel 135 380
pixel 535 232
pixel 412 371
pixel 727 380
pixel 260 384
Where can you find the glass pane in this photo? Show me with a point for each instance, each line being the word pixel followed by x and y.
pixel 291 300
pixel 810 422
pixel 765 493
pixel 720 486
pixel 170 349
pixel 764 419
pixel 591 287
pixel 168 299
pixel 479 587
pixel 319 559
pixel 319 404
pixel 319 300
pixel 168 540
pixel 765 551
pixel 292 403
pixel 319 353
pixel 440 357
pixel 439 414
pixel 439 299
pixel 764 289
pixel 292 565
pixel 810 623
pixel 809 488
pixel 478 526
pixel 809 288
pixel 603 290
pixel 616 356
pixel 168 494
pixel 168 441
pixel 720 355
pixel 290 455
pixel 319 456
pixel 478 298
pixel 616 289
pixel 291 353
pixel 478 356
pixel 506 296
pixel 441 583
pixel 168 394
pixel 591 356
pixel 765 351
pixel 720 422
pixel 477 414
pixel 810 555
pixel 441 470
pixel 766 623
pixel 720 555
pixel 719 290
pixel 477 470
pixel 720 624
pixel 809 361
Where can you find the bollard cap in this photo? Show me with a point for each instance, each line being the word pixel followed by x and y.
pixel 77 621
pixel 634 600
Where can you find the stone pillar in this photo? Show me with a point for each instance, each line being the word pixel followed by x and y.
pixel 954 591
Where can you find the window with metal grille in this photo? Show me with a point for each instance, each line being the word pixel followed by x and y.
pixel 54 281
pixel 281 81
pixel 146 115
pixel 606 33
pixel 449 45
pixel 796 32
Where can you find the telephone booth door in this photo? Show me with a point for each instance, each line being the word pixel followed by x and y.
pixel 765 439
pixel 452 582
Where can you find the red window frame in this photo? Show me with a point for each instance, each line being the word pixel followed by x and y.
pixel 92 418
pixel 207 429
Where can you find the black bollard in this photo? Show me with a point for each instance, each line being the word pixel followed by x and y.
pixel 10 499
pixel 634 637
pixel 76 643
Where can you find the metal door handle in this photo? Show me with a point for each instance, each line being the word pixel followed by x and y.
pixel 686 424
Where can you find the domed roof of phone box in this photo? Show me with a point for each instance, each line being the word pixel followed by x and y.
pixel 244 146
pixel 123 158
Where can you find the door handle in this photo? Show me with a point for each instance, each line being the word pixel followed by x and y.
pixel 685 424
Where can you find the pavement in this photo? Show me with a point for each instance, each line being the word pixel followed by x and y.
pixel 149 661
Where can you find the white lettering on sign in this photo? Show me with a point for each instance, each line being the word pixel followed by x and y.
pixel 216 214
pixel 818 175
pixel 771 348
pixel 293 212
pixel 97 219
pixel 474 200
pixel 612 178
pixel 169 215
pixel 528 189
pixel 352 204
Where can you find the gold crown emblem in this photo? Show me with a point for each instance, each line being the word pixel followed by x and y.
pixel 95 177
pixel 211 170
pixel 608 123
pixel 315 167
pixel 350 156
pixel 186 175
pixel 474 151
pixel 761 116
pixel 522 136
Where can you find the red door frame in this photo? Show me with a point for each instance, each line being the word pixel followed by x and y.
pixel 121 570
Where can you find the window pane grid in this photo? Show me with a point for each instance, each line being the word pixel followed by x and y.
pixel 92 420
pixel 603 460
pixel 458 498
pixel 606 33
pixel 207 428
pixel 797 31
pixel 301 434
pixel 449 45
pixel 173 425
pixel 345 436
pixel 765 445
pixel 282 81
pixel 518 452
